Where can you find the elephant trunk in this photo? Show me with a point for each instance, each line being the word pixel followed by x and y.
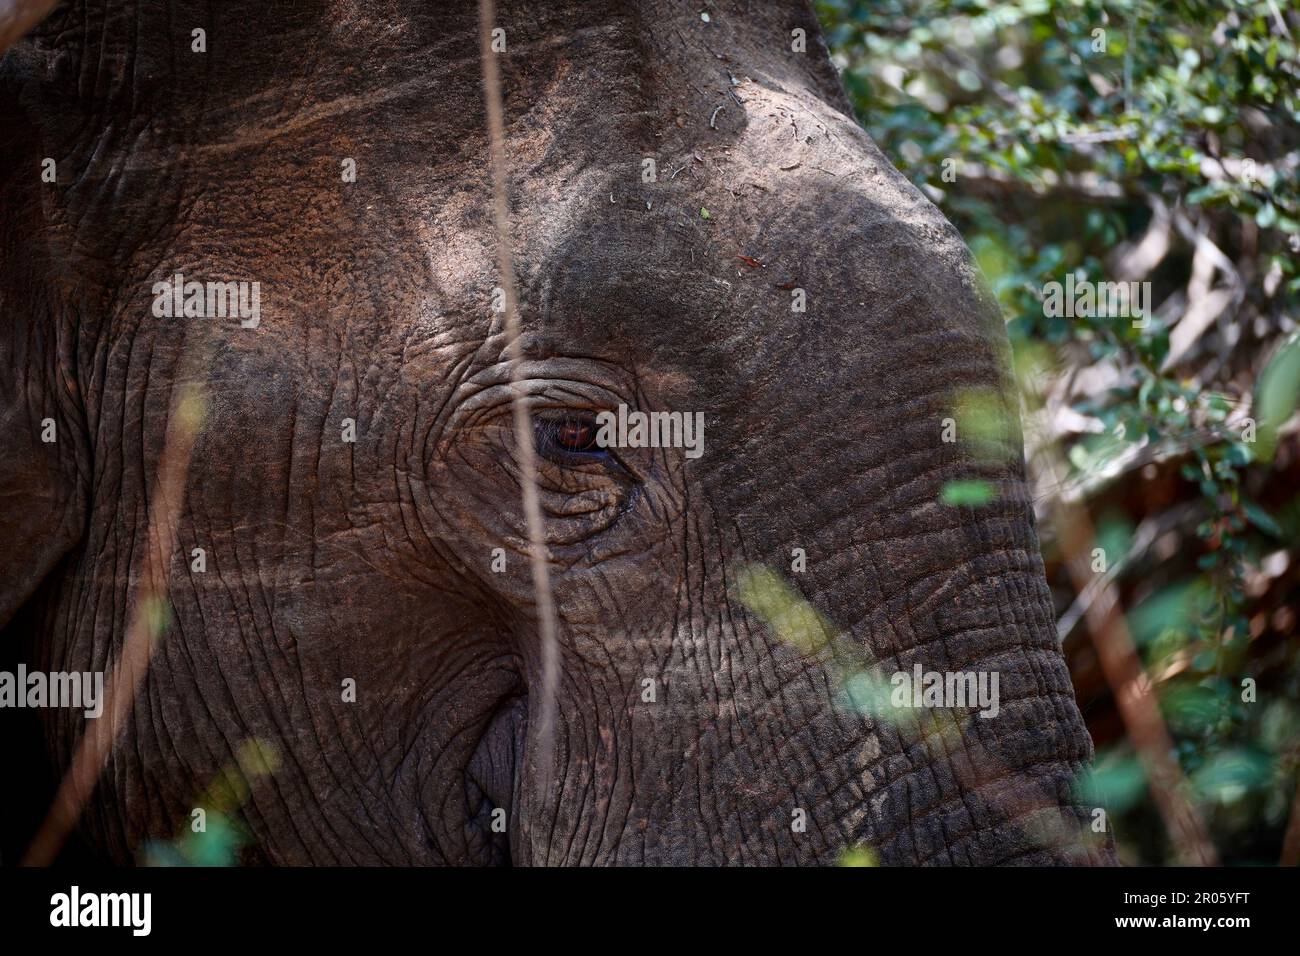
pixel 740 722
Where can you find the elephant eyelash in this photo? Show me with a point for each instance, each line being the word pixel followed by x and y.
pixel 572 434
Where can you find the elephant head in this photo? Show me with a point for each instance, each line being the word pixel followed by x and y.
pixel 699 229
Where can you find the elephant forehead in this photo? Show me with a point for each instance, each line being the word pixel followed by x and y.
pixel 704 238
pixel 840 263
pixel 704 255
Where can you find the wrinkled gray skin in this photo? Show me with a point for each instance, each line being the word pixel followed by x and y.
pixel 371 561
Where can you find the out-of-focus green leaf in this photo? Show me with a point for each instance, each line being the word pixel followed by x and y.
pixel 1230 775
pixel 1116 782
pixel 971 493
pixel 1276 395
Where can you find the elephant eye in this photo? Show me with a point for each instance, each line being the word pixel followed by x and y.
pixel 569 436
pixel 576 435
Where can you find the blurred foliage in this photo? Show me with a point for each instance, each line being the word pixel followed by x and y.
pixel 215 833
pixel 1154 141
pixel 858 856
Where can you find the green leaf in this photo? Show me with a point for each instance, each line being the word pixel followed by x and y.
pixel 1228 776
pixel 1276 396
pixel 1261 519
pixel 1115 782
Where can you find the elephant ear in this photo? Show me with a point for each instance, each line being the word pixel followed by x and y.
pixel 19 16
pixel 44 454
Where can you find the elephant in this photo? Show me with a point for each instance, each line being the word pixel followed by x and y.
pixel 698 226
